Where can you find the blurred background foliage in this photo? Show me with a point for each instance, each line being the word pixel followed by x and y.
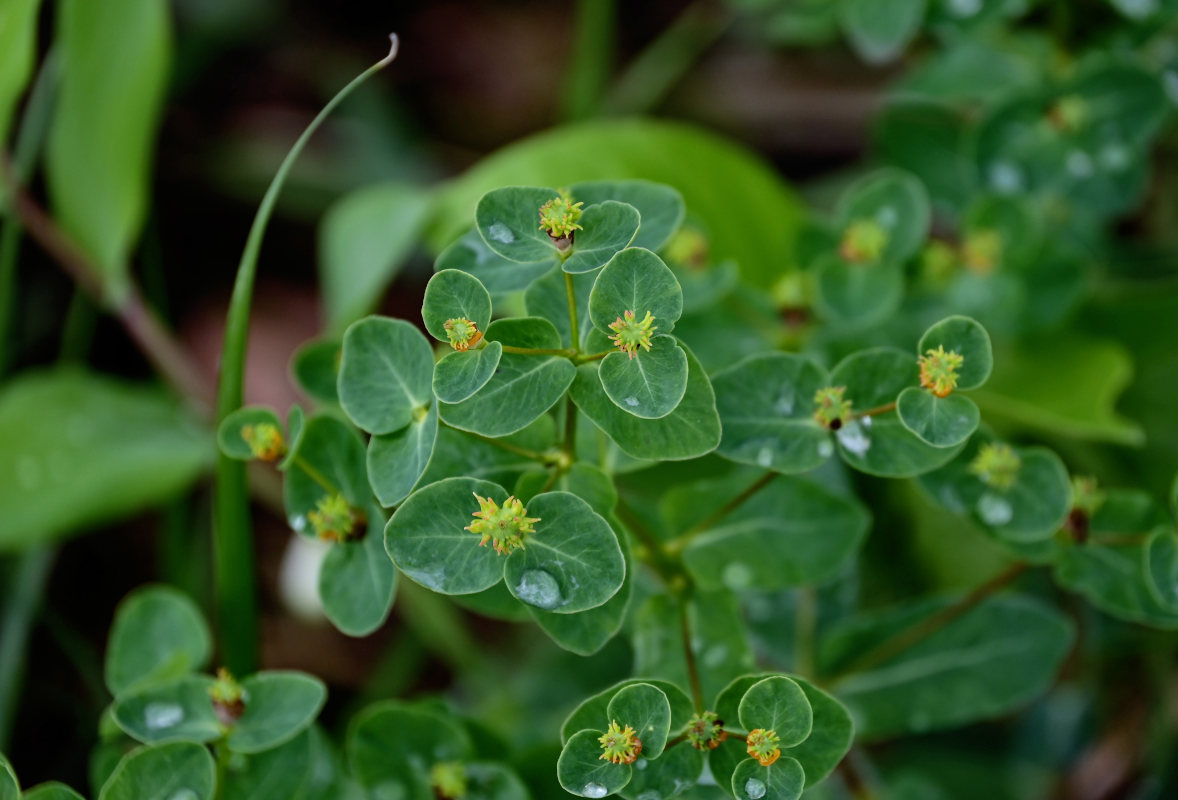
pixel 1042 125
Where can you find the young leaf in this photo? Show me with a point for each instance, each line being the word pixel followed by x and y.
pixel 357 582
pixel 393 746
pixel 457 376
pixel 451 294
pixel 329 458
pixel 638 281
pixel 278 774
pixel 594 711
pixel 647 384
pixel 609 227
pixel 965 336
pixel 939 421
pixel 279 706
pixel 582 772
pixel 427 539
pixel 644 708
pixel 500 275
pixel 508 219
pixel 180 709
pixel 571 563
pixel 780 705
pixel 158 634
pixel 896 202
pixel 660 206
pixel 857 294
pixel 386 373
pixel 397 461
pixel 162 772
pixel 229 433
pixel 783 780
pixel 879 30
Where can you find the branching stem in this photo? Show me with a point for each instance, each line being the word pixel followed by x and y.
pixel 680 542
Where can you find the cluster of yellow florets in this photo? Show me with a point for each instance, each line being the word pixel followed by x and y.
pixel 630 333
pixel 620 745
pixel 938 370
pixel 503 527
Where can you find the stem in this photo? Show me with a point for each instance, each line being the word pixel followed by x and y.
pixel 232 533
pixel 29 578
pixel 657 556
pixel 873 412
pixel 594 357
pixel 534 455
pixel 536 351
pixel 574 328
pixel 684 539
pixel 919 631
pixel 316 475
pixel 697 692
pixel 590 64
pixel 855 782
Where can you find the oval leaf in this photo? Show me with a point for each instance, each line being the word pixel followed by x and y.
pixel 357 582
pixel 229 436
pixel 879 30
pixel 328 457
pixel 392 746
pixel 647 384
pixel 636 280
pixel 894 200
pixel 451 294
pixel 965 336
pixel 644 708
pixel 508 219
pixel 163 772
pixel 397 461
pixel 315 367
pixel 784 780
pixel 459 375
pixel 939 421
pixel 777 704
pixel 279 705
pixel 181 709
pixel 158 634
pixel 607 228
pixel 858 294
pixel 659 206
pixel 386 373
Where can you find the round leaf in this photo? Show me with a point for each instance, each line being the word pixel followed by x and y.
pixel 766 404
pixel 939 421
pixel 278 774
pixel 427 540
pixel 279 705
pixel 459 375
pixel 646 709
pixel 858 294
pixel 965 336
pixel 665 778
pixel 158 633
pixel 500 275
pixel 392 746
pixel 783 780
pixel 660 206
pixel 636 280
pixel 357 581
pixel 897 202
pixel 607 228
pixel 163 772
pixel 229 437
pixel 594 712
pixel 451 294
pixel 508 219
pixel 582 772
pixel 571 563
pixel 879 30
pixel 386 373
pixel 777 704
pixel 315 367
pixel 649 384
pixel 48 791
pixel 181 709
pixel 397 461
pixel 329 452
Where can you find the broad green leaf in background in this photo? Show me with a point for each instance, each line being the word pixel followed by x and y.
pixel 989 660
pixel 315 367
pixel 927 137
pixel 397 461
pixel 77 449
pixel 856 294
pixel 115 61
pixel 364 240
pixel 279 706
pixel 894 200
pixel 9 786
pixel 278 774
pixel 179 709
pixel 391 748
pixel 453 294
pixel 158 634
pixel 357 581
pixel 385 374
pixel 746 208
pixel 879 30
pixel 162 772
pixel 18 49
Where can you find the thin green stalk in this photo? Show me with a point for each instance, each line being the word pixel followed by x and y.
pixel 574 329
pixel 538 351
pixel 523 452
pixel 682 540
pixel 697 692
pixel 29 577
pixel 233 551
pixel 592 57
pixel 593 357
pixel 316 476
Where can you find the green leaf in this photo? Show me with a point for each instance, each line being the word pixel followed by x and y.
pixel 665 778
pixel 646 709
pixel 965 336
pixel 391 748
pixel 500 275
pixel 636 280
pixel 115 60
pixel 459 375
pixel 158 634
pixel 594 711
pixel 880 30
pixel 791 533
pixel 315 367
pixel 608 228
pixel 162 772
pixel 79 449
pixel 766 403
pixel 180 709
pixel 858 294
pixel 9 786
pixel 53 790
pixel 660 206
pixel 365 238
pixel 524 386
pixel 397 461
pixel 690 431
pixel 939 421
pixel 357 581
pixel 894 200
pixel 1034 387
pixel 928 138
pixel 548 298
pixel 508 219
pixel 738 197
pixel 18 51
pixel 279 705
pixel 385 374
pixel 1161 555
pixel 459 453
pixel 493 781
pixel 784 780
pixel 777 704
pixel 278 774
pixel 571 563
pixel 427 540
pixel 582 772
pixel 584 480
pixel 880 444
pixel 648 384
pixel 329 452
pixel 229 437
pixel 451 294
pixel 991 659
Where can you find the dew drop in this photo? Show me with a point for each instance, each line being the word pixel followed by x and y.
pixel 994 510
pixel 501 233
pixel 650 794
pixel 538 588
pixel 754 789
pixel 852 437
pixel 826 448
pixel 887 217
pixel 1115 157
pixel 158 716
pixel 640 764
pixel 594 790
pixel 184 794
pixel 298 523
pixel 1080 164
pixel 764 457
pixel 785 402
pixel 865 422
pixel 631 401
pixel 1005 177
pixel 737 575
pixel 964 9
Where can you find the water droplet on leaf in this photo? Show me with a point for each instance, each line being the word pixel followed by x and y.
pixel 994 510
pixel 631 401
pixel 852 437
pixel 501 233
pixel 754 789
pixel 640 764
pixel 826 448
pixel 158 716
pixel 538 588
pixel 594 790
pixel 737 575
